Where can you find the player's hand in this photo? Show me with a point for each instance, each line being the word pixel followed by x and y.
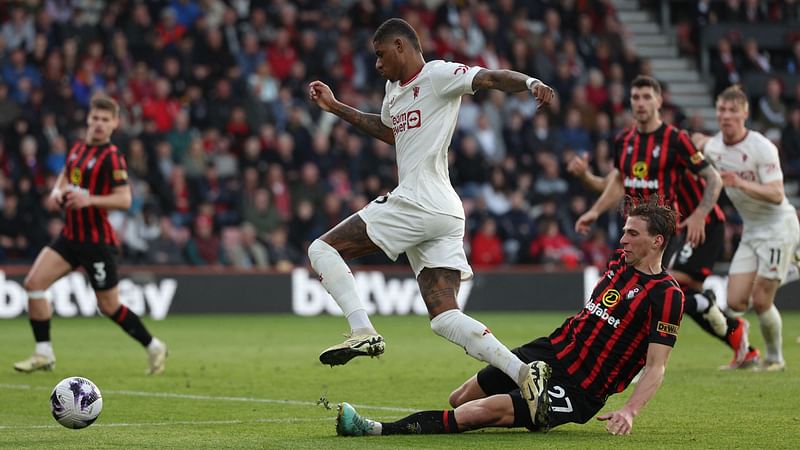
pixel 77 200
pixel 321 94
pixel 699 140
pixel 695 226
pixel 543 94
pixel 730 179
pixel 55 201
pixel 619 422
pixel 585 222
pixel 578 165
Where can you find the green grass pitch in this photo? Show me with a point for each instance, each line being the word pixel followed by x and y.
pixel 253 382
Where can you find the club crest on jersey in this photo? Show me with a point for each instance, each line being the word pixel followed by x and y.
pixel 656 151
pixel 632 293
pixel 630 149
pixel 75 177
pixel 91 163
pixel 610 298
pixel 640 169
pixel 416 92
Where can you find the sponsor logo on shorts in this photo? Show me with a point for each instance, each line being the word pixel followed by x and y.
pixel 667 328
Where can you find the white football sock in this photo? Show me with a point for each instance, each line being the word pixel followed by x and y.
pixel 771 329
pixel 337 279
pixel 479 342
pixel 154 345
pixel 45 348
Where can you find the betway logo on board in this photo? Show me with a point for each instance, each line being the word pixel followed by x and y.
pixel 72 296
pixel 379 295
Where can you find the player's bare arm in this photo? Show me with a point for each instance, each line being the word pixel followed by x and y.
pixel 56 198
pixel 578 167
pixel 696 222
pixel 772 192
pixel 371 124
pixel 119 198
pixel 511 81
pixel 611 196
pixel 621 421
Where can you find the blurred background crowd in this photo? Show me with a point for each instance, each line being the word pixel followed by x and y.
pixel 231 165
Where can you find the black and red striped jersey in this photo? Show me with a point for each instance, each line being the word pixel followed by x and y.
pixel 96 170
pixel 604 346
pixel 658 162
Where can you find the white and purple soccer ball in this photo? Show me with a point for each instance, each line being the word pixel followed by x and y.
pixel 76 402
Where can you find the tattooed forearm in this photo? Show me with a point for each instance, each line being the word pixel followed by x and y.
pixel 712 190
pixel 504 80
pixel 368 123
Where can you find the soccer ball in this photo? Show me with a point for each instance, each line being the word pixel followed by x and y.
pixel 76 402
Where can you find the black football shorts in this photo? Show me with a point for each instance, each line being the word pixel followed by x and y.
pixel 98 260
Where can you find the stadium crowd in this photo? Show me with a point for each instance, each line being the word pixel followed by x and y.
pixel 231 165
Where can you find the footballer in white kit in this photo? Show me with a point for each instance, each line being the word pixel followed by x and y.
pixel 751 173
pixel 771 231
pixel 423 215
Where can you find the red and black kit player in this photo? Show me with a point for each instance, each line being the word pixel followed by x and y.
pixel 653 157
pixel 93 181
pixel 630 322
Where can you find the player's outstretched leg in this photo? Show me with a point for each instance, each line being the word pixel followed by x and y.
pixel 338 280
pixel 355 345
pixel 350 423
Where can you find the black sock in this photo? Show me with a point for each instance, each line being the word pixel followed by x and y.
pixel 132 325
pixel 425 422
pixel 41 330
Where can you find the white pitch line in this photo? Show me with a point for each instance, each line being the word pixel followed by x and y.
pixel 177 422
pixel 214 398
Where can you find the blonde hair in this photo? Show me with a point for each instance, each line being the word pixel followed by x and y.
pixel 734 94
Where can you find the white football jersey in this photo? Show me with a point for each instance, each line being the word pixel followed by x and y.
pixel 755 158
pixel 422 114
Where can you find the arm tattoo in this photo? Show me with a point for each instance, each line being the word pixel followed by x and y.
pixel 712 190
pixel 368 123
pixel 504 80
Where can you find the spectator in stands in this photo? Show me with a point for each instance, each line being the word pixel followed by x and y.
pixel 204 249
pixel 487 248
pixel 754 59
pixel 770 111
pixel 790 144
pixel 551 247
pixel 725 66
pixel 283 257
pixel 262 214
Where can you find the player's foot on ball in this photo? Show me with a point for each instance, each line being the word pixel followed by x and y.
pixel 750 361
pixel 349 423
pixel 156 357
pixel 738 341
pixel 355 345
pixel 36 362
pixel 534 390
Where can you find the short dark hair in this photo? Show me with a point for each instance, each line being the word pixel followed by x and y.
pixel 660 217
pixel 397 27
pixel 646 81
pixel 105 103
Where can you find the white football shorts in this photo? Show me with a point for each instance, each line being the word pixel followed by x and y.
pixel 769 257
pixel 429 239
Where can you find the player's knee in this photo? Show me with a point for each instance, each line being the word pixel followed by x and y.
pixel 458 397
pixel 34 287
pixel 318 250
